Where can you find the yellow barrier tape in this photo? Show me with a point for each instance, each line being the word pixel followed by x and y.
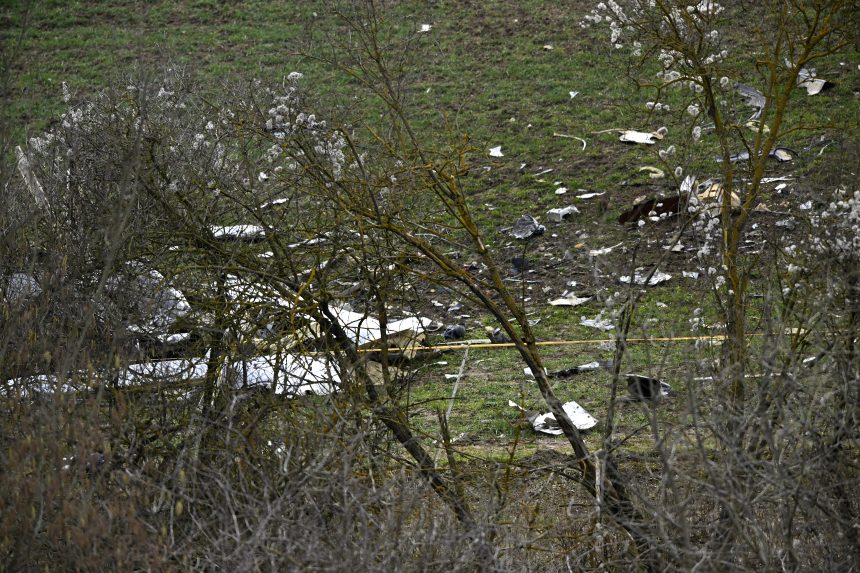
pixel 556 342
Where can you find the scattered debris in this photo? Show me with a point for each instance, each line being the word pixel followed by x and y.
pixel 653 172
pixel 573 94
pixel 366 331
pixel 274 203
pixel 582 368
pixel 640 279
pixel 527 227
pixel 454 332
pixel 561 191
pixel 603 251
pixel 496 151
pixel 560 214
pixel 597 322
pixel 569 299
pixel 547 47
pixel 710 194
pixel 754 99
pixel 297 375
pixel 546 423
pixel 658 207
pixel 520 264
pixel 632 136
pixel 781 154
pixel 644 388
pixel 156 305
pixel 530 375
pixel 425 28
pixel 497 336
pixel 813 85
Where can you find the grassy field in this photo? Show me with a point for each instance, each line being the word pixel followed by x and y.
pixel 503 73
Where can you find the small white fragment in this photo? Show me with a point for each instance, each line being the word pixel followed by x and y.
pixel 590 195
pixel 573 94
pixel 603 251
pixel 560 214
pixel 496 151
pixel 561 191
pixel 528 372
pixel 425 28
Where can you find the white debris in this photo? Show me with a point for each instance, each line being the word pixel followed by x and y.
pixel 640 279
pixel 598 322
pixel 806 79
pixel 690 274
pixel 569 299
pixel 573 94
pixel 274 202
pixel 496 151
pixel 366 330
pixel 529 374
pixel 561 191
pixel 237 231
pixel 590 195
pixel 547 424
pixel 297 375
pixel 559 214
pixel 425 28
pixel 632 136
pixel 603 251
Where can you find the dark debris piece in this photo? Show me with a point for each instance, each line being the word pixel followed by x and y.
pixel 590 367
pixel 498 337
pixel 454 332
pixel 645 388
pixel 527 227
pixel 520 265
